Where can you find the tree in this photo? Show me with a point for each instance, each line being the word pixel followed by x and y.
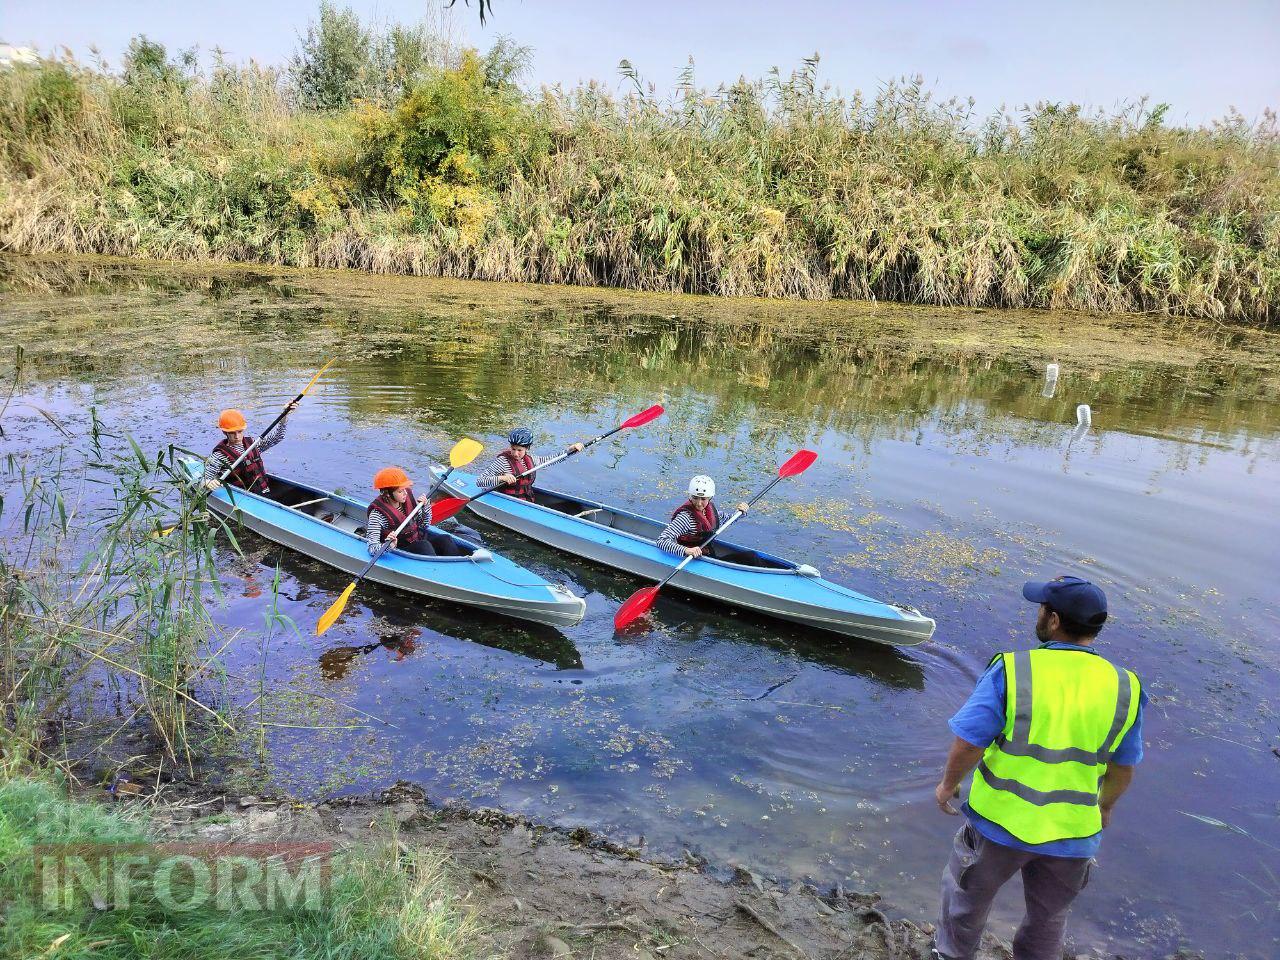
pixel 332 60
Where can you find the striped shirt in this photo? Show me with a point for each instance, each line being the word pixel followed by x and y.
pixel 376 524
pixel 681 525
pixel 216 463
pixel 497 466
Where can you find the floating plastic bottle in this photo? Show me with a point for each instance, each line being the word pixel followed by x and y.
pixel 1050 381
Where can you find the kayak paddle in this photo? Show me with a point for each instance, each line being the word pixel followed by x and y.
pixel 446 508
pixel 639 602
pixel 463 452
pixel 271 426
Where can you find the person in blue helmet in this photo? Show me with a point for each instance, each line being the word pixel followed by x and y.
pixel 504 471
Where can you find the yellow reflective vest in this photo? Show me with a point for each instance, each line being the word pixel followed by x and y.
pixel 1066 711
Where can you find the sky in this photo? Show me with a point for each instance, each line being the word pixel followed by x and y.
pixel 1201 57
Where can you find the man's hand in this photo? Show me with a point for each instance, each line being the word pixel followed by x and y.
pixel 744 507
pixel 961 760
pixel 693 551
pixel 506 479
pixel 944 797
pixel 1114 783
pixel 293 405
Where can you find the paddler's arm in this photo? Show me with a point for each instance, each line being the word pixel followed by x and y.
pixel 214 464
pixel 494 474
pixel 668 539
pixel 277 432
pixel 373 532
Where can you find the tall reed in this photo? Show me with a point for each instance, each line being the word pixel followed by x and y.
pixel 778 187
pixel 94 604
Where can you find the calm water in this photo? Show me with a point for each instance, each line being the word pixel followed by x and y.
pixel 945 478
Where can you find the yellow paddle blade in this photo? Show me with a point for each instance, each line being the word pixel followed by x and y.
pixel 463 452
pixel 335 610
pixel 308 387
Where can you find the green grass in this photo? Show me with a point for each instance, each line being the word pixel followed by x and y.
pixel 383 904
pixel 777 187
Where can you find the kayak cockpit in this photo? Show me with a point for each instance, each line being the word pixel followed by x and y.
pixel 648 529
pixel 335 511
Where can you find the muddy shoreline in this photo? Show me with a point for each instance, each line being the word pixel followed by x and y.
pixel 544 890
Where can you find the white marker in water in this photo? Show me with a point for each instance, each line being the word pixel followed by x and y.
pixel 1084 419
pixel 1050 380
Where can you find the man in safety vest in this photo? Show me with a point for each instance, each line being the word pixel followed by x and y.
pixel 1052 736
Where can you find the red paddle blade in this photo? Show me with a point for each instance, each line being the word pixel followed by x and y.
pixel 446 508
pixel 637 605
pixel 799 463
pixel 644 416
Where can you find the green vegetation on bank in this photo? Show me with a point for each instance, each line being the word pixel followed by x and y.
pixel 386 149
pixel 381 902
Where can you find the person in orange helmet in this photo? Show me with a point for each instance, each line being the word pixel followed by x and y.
pixel 250 473
pixel 389 508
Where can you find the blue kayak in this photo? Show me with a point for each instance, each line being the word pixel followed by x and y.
pixel 628 541
pixel 330 528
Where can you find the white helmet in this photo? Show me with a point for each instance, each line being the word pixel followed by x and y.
pixel 702 486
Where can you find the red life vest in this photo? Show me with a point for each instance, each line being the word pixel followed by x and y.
pixel 249 472
pixel 523 487
pixel 706 520
pixel 393 514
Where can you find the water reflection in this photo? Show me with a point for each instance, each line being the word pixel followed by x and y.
pixel 400 620
pixel 336 662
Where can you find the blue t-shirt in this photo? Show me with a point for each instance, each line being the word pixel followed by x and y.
pixel 980 721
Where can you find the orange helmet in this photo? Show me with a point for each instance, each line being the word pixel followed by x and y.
pixel 231 420
pixel 391 477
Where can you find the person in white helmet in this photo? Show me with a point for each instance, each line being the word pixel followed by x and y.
pixel 694 521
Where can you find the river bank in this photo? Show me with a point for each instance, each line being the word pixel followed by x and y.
pixel 524 890
pixel 778 187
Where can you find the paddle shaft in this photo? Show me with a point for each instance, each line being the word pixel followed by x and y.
pixel 271 426
pixel 258 439
pixel 737 515
pixel 553 460
pixel 386 544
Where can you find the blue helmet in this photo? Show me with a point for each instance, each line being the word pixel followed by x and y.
pixel 521 437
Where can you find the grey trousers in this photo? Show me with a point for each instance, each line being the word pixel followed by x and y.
pixel 979 868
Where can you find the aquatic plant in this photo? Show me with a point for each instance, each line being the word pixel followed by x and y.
pixel 778 187
pixel 93 605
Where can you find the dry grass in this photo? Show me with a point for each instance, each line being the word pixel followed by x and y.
pixel 777 188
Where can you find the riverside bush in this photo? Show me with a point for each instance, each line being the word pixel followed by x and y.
pixel 777 187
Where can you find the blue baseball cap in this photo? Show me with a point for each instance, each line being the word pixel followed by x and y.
pixel 1073 599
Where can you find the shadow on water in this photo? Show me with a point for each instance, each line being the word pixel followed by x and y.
pixel 395 616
